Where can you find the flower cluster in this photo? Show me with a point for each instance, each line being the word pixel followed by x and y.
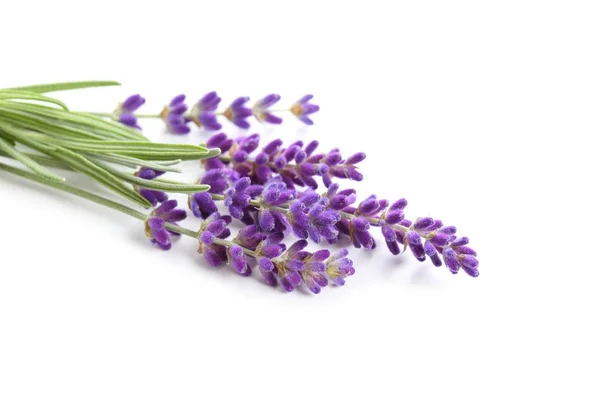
pixel 204 112
pixel 294 266
pixel 426 237
pixel 274 208
pixel 156 230
pixel 125 111
pixel 290 267
pixel 272 190
pixel 173 115
pixel 297 165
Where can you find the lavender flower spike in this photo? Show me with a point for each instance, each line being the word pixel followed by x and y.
pixel 173 117
pixel 302 109
pixel 156 230
pixel 298 165
pixel 203 112
pixel 124 113
pixel 237 112
pixel 261 109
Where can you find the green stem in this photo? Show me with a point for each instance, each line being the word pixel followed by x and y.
pixel 73 190
pixel 91 197
pixel 147 115
pixel 111 115
pixel 108 203
pixel 374 221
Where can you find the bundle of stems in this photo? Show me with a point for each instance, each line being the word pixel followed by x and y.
pixel 41 132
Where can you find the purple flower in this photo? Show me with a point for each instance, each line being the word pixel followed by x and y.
pixel 261 109
pixel 237 112
pixel 394 225
pixel 311 217
pixel 428 237
pixel 339 267
pixel 155 227
pixel 209 102
pixel 250 237
pixel 359 233
pixel 153 196
pixel 278 208
pixel 297 165
pixel 297 266
pixel 220 141
pixel 237 259
pixel 237 198
pixel 214 227
pixel 340 199
pixel 173 115
pixel 203 112
pixel 302 109
pixel 342 169
pixel 274 197
pixel 202 205
pixel 313 275
pixel 206 119
pixel 124 113
pixel 217 179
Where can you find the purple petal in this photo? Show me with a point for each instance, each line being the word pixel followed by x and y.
pixel 265 264
pixel 212 256
pixel 356 158
pixel 132 103
pixel 177 100
pixel 207 237
pixel 272 119
pixel 305 99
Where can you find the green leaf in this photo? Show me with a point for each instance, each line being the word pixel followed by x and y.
pixel 136 162
pixel 57 87
pixel 89 196
pixel 108 128
pixel 141 150
pixel 28 162
pixel 49 126
pixel 155 184
pixel 20 95
pixel 42 160
pixel 134 132
pixel 173 187
pixel 85 166
pixel 78 163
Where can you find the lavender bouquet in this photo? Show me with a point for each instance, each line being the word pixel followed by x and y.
pixel 273 190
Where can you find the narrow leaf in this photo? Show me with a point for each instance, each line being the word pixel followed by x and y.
pixel 21 95
pixel 57 87
pixel 173 187
pixel 83 165
pixel 28 162
pixel 136 162
pixel 84 120
pixel 78 163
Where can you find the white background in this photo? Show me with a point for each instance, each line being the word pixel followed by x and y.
pixel 481 113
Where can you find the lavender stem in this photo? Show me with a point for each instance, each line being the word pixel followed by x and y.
pixel 345 215
pixel 92 197
pixel 373 221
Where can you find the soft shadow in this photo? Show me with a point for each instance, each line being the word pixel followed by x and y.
pixel 425 276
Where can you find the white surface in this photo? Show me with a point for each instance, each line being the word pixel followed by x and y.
pixel 483 114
